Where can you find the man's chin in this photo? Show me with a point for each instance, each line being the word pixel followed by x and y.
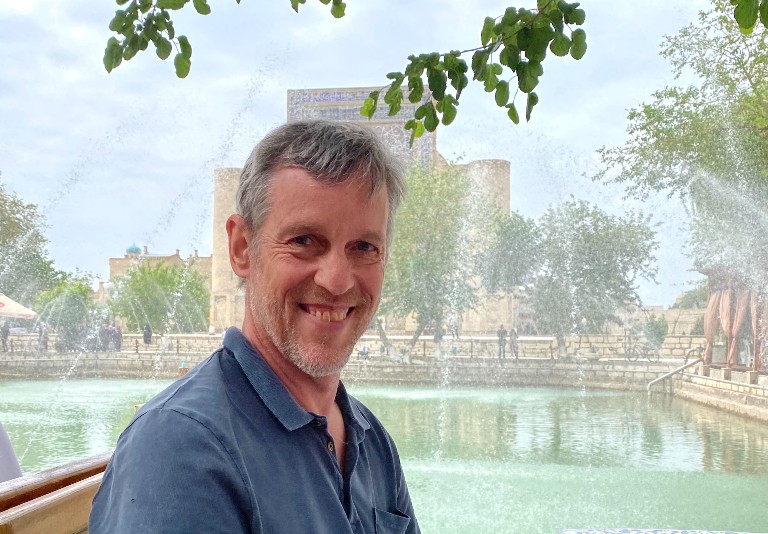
pixel 319 361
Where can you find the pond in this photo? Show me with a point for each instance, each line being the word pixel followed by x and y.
pixel 487 460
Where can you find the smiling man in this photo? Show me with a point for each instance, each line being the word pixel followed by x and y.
pixel 262 436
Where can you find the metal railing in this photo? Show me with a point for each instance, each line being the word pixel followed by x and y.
pixel 673 372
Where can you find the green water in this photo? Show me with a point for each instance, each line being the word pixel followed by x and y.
pixel 488 460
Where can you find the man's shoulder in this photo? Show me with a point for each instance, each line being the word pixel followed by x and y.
pixel 201 393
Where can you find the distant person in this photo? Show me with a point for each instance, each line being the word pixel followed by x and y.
pixel 502 335
pixel 513 342
pixel 42 337
pixel 147 334
pixel 5 332
pixel 439 333
pixel 118 333
pixel 262 436
pixel 453 327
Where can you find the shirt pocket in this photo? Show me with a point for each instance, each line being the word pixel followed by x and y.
pixel 389 523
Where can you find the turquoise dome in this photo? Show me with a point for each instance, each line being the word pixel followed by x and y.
pixel 133 249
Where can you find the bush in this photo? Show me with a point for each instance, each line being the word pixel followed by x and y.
pixel 656 330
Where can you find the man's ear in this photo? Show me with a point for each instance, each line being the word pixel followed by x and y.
pixel 239 245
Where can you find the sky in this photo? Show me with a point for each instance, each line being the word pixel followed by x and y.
pixel 114 159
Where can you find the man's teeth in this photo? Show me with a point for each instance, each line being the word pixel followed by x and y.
pixel 330 316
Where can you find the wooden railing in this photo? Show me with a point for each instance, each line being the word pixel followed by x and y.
pixel 55 501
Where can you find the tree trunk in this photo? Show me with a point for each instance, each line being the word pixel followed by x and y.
pixel 389 349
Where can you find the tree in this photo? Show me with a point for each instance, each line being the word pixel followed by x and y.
pixel 708 143
pixel 431 274
pixel 67 309
pixel 694 298
pixel 25 268
pixel 512 45
pixel 590 264
pixel 656 330
pixel 512 254
pixel 169 298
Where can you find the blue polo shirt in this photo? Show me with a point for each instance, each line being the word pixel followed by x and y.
pixel 227 449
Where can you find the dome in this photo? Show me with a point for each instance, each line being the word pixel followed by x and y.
pixel 133 249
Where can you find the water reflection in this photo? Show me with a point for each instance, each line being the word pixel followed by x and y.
pixel 542 426
pixel 487 460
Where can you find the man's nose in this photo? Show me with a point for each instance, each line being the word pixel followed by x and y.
pixel 334 273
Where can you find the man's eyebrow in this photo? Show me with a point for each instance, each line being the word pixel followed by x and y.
pixel 373 237
pixel 297 229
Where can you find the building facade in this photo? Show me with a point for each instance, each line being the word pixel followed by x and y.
pixel 343 104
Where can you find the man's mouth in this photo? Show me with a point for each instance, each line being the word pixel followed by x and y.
pixel 330 316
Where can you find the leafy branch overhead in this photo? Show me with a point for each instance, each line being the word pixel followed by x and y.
pixel 748 12
pixel 512 49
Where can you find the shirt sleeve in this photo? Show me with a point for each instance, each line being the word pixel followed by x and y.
pixel 171 474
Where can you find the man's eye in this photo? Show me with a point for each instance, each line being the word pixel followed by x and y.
pixel 364 246
pixel 301 240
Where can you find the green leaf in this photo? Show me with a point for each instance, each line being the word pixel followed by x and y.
pixel 560 45
pixel 186 48
pixel 170 4
pixel 746 13
pixel 527 80
pixel 479 61
pixel 510 17
pixel 512 113
pixel 577 17
pixel 131 47
pixel 417 129
pixel 394 98
pixel 202 7
pixel 579 45
pixel 510 56
pixel 449 110
pixel 764 13
pixel 502 93
pixel 437 81
pixel 532 100
pixel 182 64
pixel 416 88
pixel 370 104
pixel 420 112
pixel 431 121
pixel 122 2
pixel 295 4
pixel 116 23
pixel 486 34
pixel 337 9
pixel 163 48
pixel 113 54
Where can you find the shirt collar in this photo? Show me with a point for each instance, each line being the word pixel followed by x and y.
pixel 274 393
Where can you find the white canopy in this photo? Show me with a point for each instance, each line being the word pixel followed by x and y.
pixel 11 308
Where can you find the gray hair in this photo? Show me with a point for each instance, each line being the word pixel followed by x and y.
pixel 330 152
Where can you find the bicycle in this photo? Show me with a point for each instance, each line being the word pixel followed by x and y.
pixel 636 350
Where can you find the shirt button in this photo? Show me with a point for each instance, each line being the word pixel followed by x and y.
pixel 330 446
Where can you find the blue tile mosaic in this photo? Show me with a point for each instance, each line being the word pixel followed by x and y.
pixel 344 105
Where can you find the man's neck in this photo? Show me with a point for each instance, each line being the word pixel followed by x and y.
pixel 316 395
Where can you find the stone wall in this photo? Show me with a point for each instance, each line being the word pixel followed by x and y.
pixel 733 393
pixel 467 347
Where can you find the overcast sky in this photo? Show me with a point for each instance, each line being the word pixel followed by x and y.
pixel 128 157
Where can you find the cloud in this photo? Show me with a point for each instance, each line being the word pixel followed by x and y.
pixel 126 157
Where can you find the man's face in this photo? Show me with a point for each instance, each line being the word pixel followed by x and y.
pixel 316 269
